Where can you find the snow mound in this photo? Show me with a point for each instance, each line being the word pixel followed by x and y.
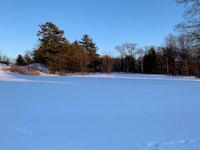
pixel 12 77
pixel 2 65
pixel 7 77
pixel 41 68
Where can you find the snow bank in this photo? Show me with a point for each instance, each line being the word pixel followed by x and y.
pixel 138 77
pixel 6 77
pixel 12 77
pixel 43 70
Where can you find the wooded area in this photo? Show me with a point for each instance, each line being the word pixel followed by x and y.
pixel 179 55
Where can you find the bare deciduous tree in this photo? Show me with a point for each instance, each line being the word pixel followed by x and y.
pixel 170 53
pixel 191 25
pixel 127 53
pixel 107 64
pixel 122 52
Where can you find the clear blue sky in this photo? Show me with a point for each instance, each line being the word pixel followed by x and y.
pixel 108 22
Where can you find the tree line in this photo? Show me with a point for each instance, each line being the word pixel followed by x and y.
pixel 4 59
pixel 179 55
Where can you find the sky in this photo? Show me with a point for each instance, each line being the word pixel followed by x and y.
pixel 108 22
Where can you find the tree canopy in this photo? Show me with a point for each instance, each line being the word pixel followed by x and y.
pixel 59 55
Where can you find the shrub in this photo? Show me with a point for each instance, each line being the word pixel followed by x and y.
pixel 33 70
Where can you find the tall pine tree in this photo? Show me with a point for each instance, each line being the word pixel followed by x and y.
pixel 52 44
pixel 20 61
pixel 90 48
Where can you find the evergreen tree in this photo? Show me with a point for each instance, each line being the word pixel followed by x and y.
pixel 20 61
pixel 90 48
pixel 52 43
pixel 28 58
pixel 150 61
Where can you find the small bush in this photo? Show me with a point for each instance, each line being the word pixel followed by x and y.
pixel 33 70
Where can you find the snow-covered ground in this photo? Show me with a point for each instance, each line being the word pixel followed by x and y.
pixel 99 112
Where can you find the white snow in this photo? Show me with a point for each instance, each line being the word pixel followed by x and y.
pixel 42 69
pixel 99 112
pixel 7 77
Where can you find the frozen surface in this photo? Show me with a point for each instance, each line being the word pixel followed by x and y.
pixel 99 112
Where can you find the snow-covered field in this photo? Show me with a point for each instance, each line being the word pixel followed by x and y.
pixel 99 112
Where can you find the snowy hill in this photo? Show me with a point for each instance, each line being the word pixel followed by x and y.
pixel 99 112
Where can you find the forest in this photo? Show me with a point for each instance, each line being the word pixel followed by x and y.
pixel 179 55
